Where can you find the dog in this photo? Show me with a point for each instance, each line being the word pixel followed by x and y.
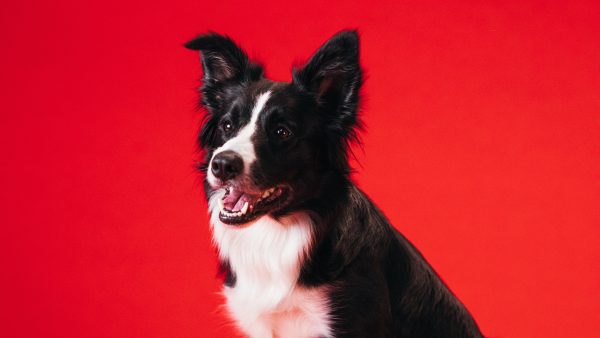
pixel 304 252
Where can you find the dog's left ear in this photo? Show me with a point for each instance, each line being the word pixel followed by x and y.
pixel 333 76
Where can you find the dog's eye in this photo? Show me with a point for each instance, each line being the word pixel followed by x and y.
pixel 227 126
pixel 282 132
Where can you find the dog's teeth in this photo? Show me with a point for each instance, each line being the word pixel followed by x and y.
pixel 231 213
pixel 221 206
pixel 266 194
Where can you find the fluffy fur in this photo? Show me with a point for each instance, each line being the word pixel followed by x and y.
pixel 305 253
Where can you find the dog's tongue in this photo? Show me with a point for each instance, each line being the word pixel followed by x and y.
pixel 235 200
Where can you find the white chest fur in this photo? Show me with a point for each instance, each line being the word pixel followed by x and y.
pixel 266 258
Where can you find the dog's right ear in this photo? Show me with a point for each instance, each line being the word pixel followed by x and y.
pixel 223 62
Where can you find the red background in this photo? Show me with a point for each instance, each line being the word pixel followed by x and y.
pixel 482 146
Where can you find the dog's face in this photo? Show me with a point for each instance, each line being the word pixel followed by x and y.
pixel 270 145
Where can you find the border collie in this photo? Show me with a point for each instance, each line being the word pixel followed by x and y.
pixel 305 253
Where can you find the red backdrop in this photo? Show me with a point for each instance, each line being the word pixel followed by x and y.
pixel 482 146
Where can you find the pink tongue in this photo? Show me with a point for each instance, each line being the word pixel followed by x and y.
pixel 236 199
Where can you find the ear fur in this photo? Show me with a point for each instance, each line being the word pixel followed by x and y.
pixel 223 63
pixel 334 77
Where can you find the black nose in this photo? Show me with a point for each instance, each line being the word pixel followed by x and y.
pixel 227 165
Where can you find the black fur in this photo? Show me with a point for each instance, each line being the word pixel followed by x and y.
pixel 381 285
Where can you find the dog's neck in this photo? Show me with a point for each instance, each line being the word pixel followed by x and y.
pixel 266 251
pixel 265 258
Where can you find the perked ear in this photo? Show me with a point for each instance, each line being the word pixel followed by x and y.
pixel 333 76
pixel 222 59
pixel 223 62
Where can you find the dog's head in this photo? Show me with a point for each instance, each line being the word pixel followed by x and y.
pixel 272 146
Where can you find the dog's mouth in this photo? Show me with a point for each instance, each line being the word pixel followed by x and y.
pixel 239 207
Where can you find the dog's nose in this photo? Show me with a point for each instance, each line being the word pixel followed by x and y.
pixel 227 165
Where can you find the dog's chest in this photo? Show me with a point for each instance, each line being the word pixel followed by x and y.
pixel 301 313
pixel 266 258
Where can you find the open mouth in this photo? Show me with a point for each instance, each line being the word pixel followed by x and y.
pixel 238 207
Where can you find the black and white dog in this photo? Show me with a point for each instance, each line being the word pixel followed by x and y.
pixel 305 253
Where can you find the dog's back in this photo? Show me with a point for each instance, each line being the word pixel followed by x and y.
pixel 383 287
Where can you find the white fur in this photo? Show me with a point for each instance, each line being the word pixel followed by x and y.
pixel 241 143
pixel 266 257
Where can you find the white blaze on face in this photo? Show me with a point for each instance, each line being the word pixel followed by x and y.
pixel 242 142
pixel 266 257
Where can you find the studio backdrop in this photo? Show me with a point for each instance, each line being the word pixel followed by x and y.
pixel 481 144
